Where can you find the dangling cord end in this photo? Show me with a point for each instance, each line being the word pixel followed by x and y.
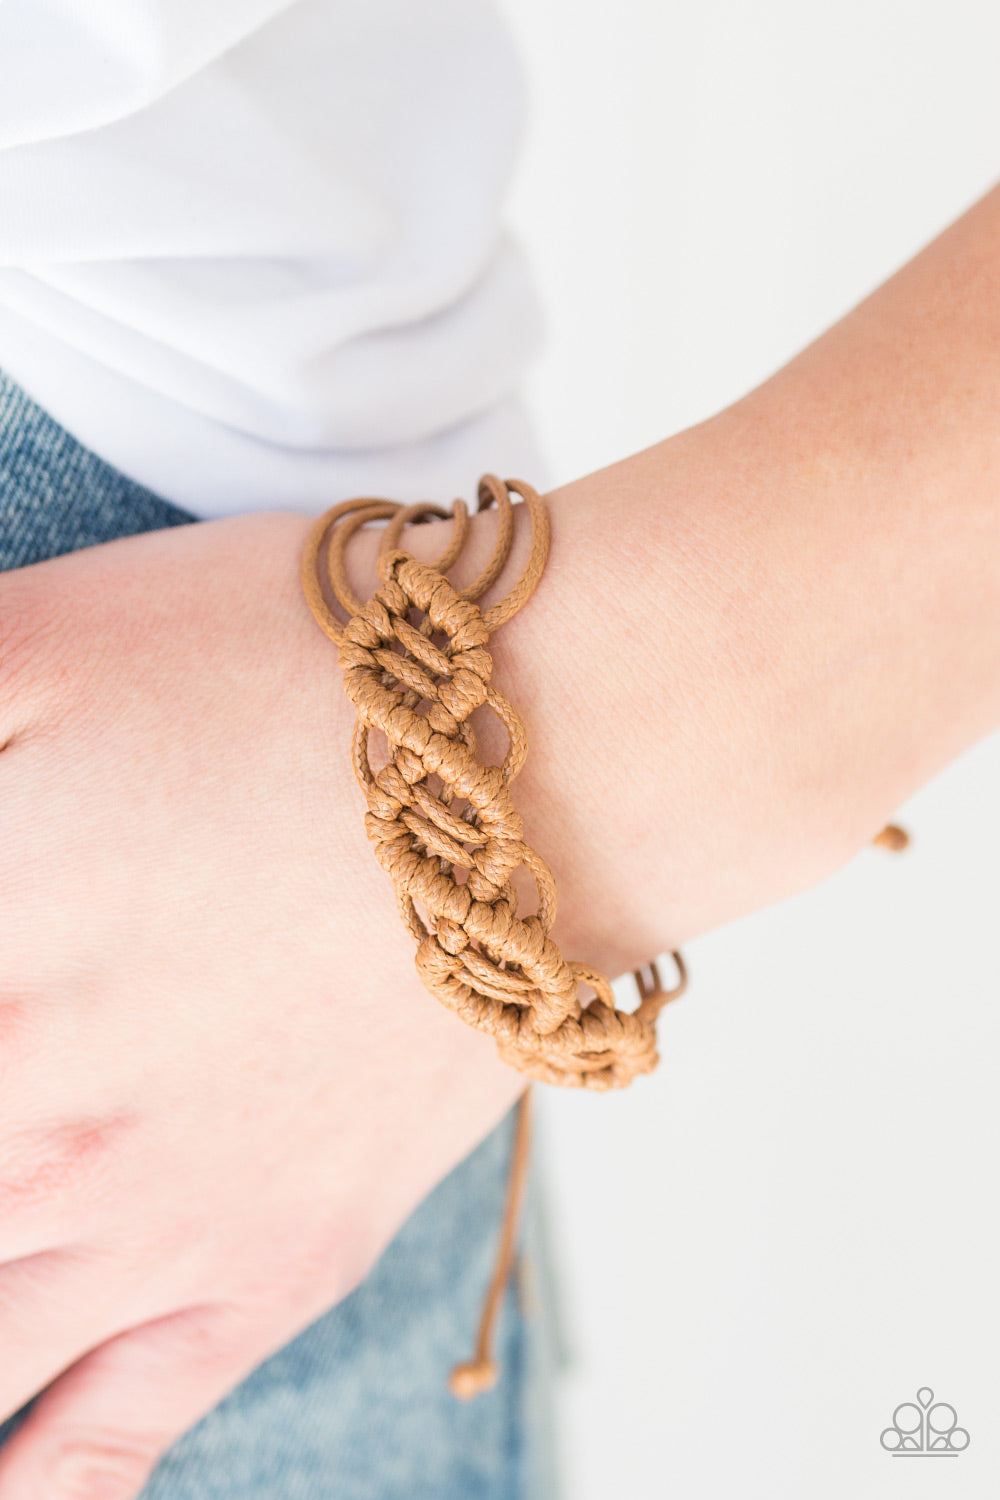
pixel 892 837
pixel 480 1373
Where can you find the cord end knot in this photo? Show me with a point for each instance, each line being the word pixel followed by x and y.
pixel 892 837
pixel 471 1379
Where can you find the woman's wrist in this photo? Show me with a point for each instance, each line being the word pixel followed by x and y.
pixel 646 668
pixel 754 640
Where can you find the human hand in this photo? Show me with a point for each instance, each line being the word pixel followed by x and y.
pixel 224 1087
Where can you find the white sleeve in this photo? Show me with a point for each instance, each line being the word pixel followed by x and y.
pixel 72 65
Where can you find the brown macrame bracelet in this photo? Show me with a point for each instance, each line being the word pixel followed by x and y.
pixel 421 641
pixel 500 972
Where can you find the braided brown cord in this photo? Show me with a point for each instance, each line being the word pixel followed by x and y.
pixel 500 972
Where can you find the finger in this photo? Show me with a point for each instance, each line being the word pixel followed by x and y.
pixel 54 1307
pixel 98 1431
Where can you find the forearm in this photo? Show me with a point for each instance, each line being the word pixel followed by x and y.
pixel 757 638
pixel 885 436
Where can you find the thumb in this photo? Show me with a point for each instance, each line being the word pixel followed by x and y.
pixel 97 1432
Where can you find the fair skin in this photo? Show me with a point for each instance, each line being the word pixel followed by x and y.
pixel 223 1087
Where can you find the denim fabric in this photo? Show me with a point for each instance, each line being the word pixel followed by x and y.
pixel 357 1406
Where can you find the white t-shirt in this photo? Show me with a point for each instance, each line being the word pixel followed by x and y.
pixel 251 250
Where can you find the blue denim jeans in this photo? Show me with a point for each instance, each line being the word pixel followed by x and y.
pixel 357 1406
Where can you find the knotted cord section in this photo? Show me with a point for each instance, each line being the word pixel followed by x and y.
pixel 443 824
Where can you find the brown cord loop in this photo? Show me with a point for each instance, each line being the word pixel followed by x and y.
pixel 653 997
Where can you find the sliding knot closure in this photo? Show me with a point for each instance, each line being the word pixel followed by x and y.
pixel 443 824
